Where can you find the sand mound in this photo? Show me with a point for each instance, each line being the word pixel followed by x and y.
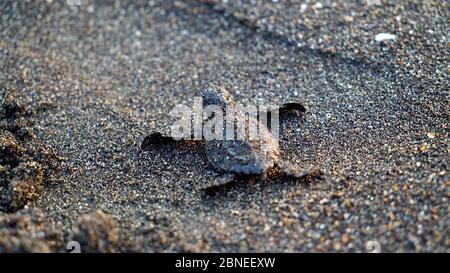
pixel 24 161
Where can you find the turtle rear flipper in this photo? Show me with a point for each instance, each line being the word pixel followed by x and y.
pixel 219 182
pixel 293 171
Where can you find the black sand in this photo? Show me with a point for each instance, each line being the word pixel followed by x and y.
pixel 92 81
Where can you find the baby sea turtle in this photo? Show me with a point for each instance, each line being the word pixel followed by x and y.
pixel 247 157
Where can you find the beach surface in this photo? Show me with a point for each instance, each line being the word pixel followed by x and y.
pixel 82 85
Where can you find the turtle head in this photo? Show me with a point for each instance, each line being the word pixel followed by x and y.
pixel 216 95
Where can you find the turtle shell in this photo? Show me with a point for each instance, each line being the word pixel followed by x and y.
pixel 252 157
pixel 243 156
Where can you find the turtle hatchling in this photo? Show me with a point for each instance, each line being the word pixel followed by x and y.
pixel 243 157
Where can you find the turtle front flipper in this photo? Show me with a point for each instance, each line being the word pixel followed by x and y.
pixel 155 139
pixel 293 171
pixel 219 182
pixel 285 108
pixel 290 107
